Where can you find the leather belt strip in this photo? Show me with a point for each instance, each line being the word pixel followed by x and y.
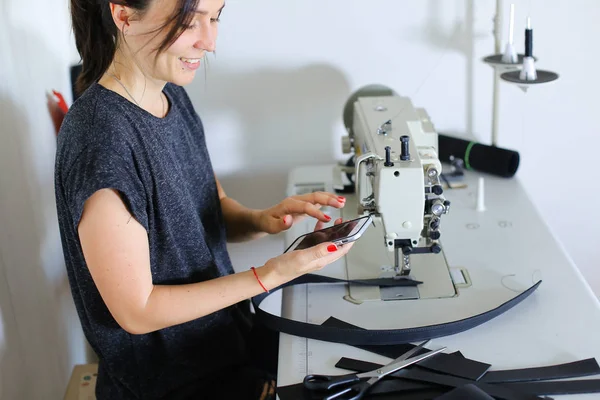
pixel 575 369
pixel 571 370
pixel 494 390
pixel 470 392
pixel 452 364
pixel 582 386
pixel 384 390
pixel 520 390
pixel 312 278
pixel 375 336
pixel 529 378
pixel 401 386
pixel 393 389
pixel 416 387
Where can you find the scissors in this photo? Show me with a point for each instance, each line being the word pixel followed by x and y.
pixel 359 388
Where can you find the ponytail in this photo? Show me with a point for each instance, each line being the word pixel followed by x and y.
pixel 95 38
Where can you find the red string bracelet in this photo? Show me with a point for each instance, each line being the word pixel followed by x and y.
pixel 258 279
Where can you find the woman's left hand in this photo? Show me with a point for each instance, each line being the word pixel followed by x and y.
pixel 295 208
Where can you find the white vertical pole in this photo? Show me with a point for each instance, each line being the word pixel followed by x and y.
pixel 498 50
pixel 511 26
pixel 498 28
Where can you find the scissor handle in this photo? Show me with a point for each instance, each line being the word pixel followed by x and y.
pixel 357 391
pixel 328 382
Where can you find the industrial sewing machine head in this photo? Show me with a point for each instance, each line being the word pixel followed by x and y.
pixel 396 176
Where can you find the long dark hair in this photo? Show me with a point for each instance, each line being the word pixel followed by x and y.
pixel 96 35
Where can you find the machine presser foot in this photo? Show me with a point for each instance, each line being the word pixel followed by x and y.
pixel 399 292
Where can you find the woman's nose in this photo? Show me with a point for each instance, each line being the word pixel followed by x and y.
pixel 207 39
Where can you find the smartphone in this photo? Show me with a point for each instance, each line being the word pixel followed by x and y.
pixel 339 234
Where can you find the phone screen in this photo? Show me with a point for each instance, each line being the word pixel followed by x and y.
pixel 331 234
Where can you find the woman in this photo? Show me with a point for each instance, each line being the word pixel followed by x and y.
pixel 144 221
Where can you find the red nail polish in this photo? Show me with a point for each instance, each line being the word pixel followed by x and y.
pixel 327 217
pixel 341 198
pixel 285 220
pixel 331 248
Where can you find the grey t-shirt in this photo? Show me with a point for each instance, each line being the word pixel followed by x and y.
pixel 162 170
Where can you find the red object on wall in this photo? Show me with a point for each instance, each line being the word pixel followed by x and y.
pixel 58 108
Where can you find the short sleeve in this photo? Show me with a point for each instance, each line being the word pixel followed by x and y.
pixel 105 167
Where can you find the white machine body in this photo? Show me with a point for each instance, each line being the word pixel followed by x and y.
pixel 395 181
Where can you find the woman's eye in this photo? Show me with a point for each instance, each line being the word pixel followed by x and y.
pixel 195 23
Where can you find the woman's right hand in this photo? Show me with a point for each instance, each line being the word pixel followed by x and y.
pixel 289 266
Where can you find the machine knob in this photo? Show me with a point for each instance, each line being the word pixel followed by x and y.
pixel 434 224
pixel 388 157
pixel 438 208
pixel 447 205
pixel 432 172
pixel 405 152
pixel 436 248
pixel 437 189
pixel 435 235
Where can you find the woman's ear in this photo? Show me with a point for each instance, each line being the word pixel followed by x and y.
pixel 121 15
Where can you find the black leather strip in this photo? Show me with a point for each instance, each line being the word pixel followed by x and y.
pixel 580 386
pixel 357 365
pixel 532 387
pixel 388 282
pixel 392 389
pixel 377 336
pixel 570 370
pixel 389 350
pixel 401 389
pixel 451 364
pixel 470 392
pixel 499 391
pixel 404 389
pixel 430 394
pixel 424 376
pixel 428 382
pixel 575 369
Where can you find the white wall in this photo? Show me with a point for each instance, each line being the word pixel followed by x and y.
pixel 272 99
pixel 42 337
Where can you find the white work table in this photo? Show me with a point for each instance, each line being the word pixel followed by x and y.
pixel 506 249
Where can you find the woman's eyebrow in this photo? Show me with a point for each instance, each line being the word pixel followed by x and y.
pixel 204 12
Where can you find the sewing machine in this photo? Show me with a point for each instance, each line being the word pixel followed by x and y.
pixel 396 175
pixel 487 255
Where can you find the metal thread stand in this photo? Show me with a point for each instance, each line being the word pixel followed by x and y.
pixel 506 71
